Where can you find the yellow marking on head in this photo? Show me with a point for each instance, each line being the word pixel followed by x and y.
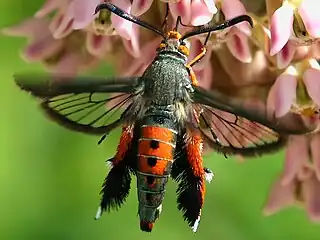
pixel 162 46
pixel 184 50
pixel 174 34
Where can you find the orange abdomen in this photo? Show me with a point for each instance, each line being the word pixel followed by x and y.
pixel 156 149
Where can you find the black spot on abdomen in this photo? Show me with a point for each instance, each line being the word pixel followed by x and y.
pixel 154 144
pixel 152 161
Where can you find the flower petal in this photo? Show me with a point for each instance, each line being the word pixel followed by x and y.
pixel 282 95
pixel 68 65
pixel 238 45
pixel 234 8
pixel 135 67
pixel 123 27
pixel 280 196
pixel 83 12
pixel 311 193
pixel 314 50
pixel 297 154
pixel 305 173
pixel 195 49
pixel 132 45
pixel 200 14
pixel 309 12
pixel 315 153
pixel 139 7
pixel 97 45
pixel 281 28
pixel 211 6
pixel 71 63
pixel 311 123
pixel 149 52
pixel 42 48
pixel 183 9
pixel 61 24
pixel 204 77
pixel 311 79
pixel 49 6
pixel 285 56
pixel 28 28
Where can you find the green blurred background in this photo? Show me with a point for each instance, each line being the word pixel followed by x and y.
pixel 50 177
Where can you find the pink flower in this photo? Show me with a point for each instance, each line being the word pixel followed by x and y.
pixel 298 90
pixel 300 180
pixel 139 7
pixel 194 12
pixel 130 66
pixel 41 42
pixel 79 14
pixel 236 37
pixel 203 68
pixel 64 55
pixel 75 40
pixel 286 36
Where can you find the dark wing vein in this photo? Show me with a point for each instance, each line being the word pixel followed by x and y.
pixel 291 123
pixel 231 134
pixel 95 111
pixel 84 103
pixel 247 129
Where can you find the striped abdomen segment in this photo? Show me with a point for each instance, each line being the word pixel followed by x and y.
pixel 156 150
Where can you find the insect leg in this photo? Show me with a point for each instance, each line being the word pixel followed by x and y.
pixel 116 186
pixel 202 53
pixel 196 60
pixel 190 174
pixel 208 29
pixel 198 57
pixel 194 146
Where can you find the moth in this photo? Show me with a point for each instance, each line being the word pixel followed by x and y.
pixel 166 118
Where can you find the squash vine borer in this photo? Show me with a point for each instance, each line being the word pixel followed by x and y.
pixel 166 118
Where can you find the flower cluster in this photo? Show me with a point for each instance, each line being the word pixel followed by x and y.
pixel 280 51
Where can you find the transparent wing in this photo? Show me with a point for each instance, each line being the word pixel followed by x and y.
pixel 231 134
pixel 90 105
pixel 291 123
pixel 233 128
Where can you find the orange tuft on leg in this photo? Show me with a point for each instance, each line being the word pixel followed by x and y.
pixel 124 144
pixel 194 154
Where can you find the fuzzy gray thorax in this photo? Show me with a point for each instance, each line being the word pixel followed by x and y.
pixel 167 79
